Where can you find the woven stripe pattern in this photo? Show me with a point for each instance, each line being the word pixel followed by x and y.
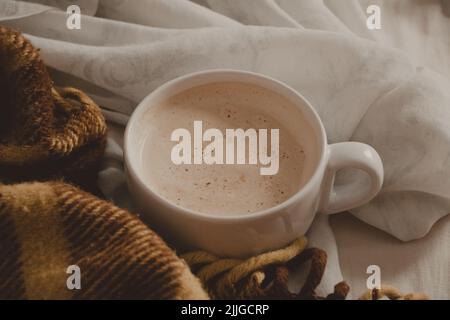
pixel 119 257
pixel 45 132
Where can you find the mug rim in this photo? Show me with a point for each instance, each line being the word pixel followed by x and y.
pixel 130 165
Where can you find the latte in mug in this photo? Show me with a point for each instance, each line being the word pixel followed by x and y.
pixel 278 155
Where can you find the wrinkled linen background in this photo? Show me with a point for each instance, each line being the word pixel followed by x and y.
pixel 389 88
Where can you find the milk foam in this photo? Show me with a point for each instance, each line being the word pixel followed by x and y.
pixel 222 189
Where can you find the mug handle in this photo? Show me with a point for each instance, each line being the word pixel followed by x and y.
pixel 350 155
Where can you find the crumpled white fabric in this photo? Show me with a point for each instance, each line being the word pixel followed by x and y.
pixel 389 88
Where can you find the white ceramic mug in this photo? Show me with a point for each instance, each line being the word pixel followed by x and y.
pixel 244 235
